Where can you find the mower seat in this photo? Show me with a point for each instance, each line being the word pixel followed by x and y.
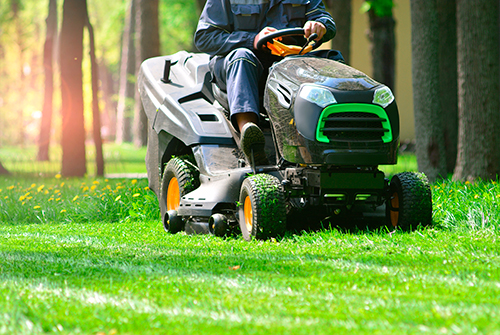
pixel 220 96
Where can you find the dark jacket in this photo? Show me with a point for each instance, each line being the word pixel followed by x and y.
pixel 229 24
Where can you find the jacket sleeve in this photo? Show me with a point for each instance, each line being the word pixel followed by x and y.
pixel 316 11
pixel 214 34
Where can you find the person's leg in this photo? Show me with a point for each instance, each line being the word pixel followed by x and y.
pixel 243 70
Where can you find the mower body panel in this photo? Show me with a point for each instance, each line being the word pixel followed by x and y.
pixel 356 125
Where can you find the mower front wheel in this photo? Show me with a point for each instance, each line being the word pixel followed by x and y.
pixel 262 212
pixel 179 178
pixel 409 204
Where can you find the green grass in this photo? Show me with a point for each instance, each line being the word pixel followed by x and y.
pixel 123 158
pixel 97 261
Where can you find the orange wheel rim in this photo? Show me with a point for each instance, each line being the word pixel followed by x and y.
pixel 173 195
pixel 395 205
pixel 247 210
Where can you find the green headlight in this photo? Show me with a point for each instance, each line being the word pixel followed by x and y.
pixel 317 95
pixel 383 96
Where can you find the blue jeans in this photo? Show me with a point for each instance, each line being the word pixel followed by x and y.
pixel 242 74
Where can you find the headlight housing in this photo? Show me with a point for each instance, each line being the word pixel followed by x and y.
pixel 383 96
pixel 317 95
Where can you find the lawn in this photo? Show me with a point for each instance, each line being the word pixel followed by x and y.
pixel 119 159
pixel 89 256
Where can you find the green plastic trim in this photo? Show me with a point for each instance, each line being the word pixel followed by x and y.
pixel 353 108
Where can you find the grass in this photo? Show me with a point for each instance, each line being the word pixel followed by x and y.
pixel 97 261
pixel 118 159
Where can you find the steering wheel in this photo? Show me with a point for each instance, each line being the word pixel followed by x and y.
pixel 272 44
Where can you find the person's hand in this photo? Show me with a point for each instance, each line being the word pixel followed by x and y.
pixel 312 27
pixel 262 33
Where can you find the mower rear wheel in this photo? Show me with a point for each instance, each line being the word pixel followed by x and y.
pixel 262 212
pixel 179 178
pixel 409 204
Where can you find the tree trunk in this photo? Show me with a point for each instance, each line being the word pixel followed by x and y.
pixel 3 170
pixel 48 57
pixel 96 115
pixel 426 99
pixel 71 51
pixel 383 47
pixel 448 90
pixel 108 87
pixel 149 46
pixel 341 12
pixel 199 5
pixel 20 40
pixel 478 90
pixel 126 95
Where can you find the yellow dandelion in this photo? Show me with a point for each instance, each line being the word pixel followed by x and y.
pixel 51 199
pixel 95 182
pixel 0 190
pixel 85 189
pixel 62 211
pixel 6 197
pixel 29 198
pixel 58 199
pixel 136 195
pixel 76 197
pixel 10 187
pixel 467 182
pixel 118 198
pixel 476 196
pixel 93 187
pixel 134 181
pixel 37 207
pixel 33 185
pixel 58 176
pixel 23 197
pixel 146 188
pixel 62 184
pixel 106 180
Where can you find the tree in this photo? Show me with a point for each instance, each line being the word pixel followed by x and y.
pixel 382 39
pixel 71 52
pixel 16 6
pixel 48 66
pixel 125 108
pixel 199 5
pixel 426 99
pixel 478 44
pixel 3 170
pixel 148 46
pixel 341 12
pixel 448 90
pixel 96 117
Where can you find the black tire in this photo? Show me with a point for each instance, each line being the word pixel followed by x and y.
pixel 409 203
pixel 217 224
pixel 262 212
pixel 184 179
pixel 173 223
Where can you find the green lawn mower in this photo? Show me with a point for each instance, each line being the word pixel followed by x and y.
pixel 328 127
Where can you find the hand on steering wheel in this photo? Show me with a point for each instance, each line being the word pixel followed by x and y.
pixel 269 38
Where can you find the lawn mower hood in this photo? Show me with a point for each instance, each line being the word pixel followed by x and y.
pixel 325 112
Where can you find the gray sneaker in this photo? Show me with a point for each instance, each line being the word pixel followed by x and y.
pixel 252 141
